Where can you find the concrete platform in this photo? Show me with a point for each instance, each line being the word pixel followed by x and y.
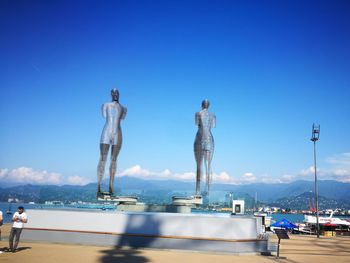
pixel 197 232
pixel 141 207
pixel 187 200
pixel 118 199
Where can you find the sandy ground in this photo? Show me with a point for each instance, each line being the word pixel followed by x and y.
pixel 298 249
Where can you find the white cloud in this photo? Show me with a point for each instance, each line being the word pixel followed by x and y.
pixel 269 180
pixel 286 178
pixel 249 178
pixel 223 177
pixel 340 174
pixel 338 169
pixel 3 173
pixel 138 171
pixel 308 171
pixel 342 159
pixel 77 180
pixel 27 175
pixel 135 171
pixel 188 176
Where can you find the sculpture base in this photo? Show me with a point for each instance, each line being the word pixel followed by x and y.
pixel 117 199
pixel 197 232
pixel 194 200
pixel 141 207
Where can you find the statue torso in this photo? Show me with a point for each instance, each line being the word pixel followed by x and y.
pixel 204 139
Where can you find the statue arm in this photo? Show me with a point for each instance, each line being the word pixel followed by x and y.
pixel 104 110
pixel 125 110
pixel 214 121
pixel 197 119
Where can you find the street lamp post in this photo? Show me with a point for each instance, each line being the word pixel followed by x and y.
pixel 314 138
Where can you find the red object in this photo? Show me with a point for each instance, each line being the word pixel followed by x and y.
pixel 330 224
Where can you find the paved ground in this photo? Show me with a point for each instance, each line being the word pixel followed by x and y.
pixel 298 249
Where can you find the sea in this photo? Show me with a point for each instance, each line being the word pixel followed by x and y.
pixel 4 207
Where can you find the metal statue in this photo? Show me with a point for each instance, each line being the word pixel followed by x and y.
pixel 204 145
pixel 113 112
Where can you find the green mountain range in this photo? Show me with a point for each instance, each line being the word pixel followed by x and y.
pixel 294 195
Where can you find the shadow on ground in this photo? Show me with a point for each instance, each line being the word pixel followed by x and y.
pixel 23 248
pixel 19 249
pixel 140 232
pixel 118 255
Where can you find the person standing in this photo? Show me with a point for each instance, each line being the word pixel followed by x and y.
pixel 18 219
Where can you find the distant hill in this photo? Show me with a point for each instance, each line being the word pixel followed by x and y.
pixel 160 191
pixel 270 192
pixel 265 192
pixel 304 200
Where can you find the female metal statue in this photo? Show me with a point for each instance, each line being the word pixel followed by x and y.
pixel 204 144
pixel 113 112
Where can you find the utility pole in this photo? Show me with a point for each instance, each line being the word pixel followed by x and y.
pixel 314 138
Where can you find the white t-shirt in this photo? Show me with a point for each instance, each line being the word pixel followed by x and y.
pixel 19 224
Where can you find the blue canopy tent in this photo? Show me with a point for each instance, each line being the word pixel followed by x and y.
pixel 284 223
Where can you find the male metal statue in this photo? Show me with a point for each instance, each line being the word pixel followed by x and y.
pixel 113 112
pixel 204 145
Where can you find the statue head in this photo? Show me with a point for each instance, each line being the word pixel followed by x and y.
pixel 115 95
pixel 205 104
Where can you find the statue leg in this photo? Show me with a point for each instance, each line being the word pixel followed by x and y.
pixel 101 165
pixel 113 167
pixel 199 160
pixel 208 155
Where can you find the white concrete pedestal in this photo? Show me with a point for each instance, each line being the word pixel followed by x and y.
pixel 198 232
pixel 118 199
pixel 194 200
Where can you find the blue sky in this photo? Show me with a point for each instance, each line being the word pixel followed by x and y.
pixel 269 68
